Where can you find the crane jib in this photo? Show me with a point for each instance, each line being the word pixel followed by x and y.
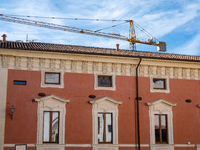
pixel 161 46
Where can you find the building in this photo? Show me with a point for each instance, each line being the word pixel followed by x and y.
pixel 84 98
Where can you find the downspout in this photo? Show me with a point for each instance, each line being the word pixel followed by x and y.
pixel 137 99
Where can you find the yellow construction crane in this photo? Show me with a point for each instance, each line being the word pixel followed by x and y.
pixel 161 46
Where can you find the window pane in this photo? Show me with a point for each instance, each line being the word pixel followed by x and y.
pixel 105 81
pixel 164 127
pixel 46 126
pixel 159 83
pixel 52 78
pixel 101 127
pixel 157 128
pixel 55 126
pixel 108 124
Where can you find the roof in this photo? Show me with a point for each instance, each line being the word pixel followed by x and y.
pixel 47 47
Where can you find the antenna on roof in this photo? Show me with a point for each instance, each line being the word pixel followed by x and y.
pixel 27 38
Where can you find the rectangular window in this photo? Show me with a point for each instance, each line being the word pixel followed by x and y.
pixel 52 78
pixel 159 84
pixel 104 81
pixel 105 133
pixel 51 127
pixel 16 82
pixel 161 131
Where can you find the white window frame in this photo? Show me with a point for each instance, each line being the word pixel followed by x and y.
pixel 164 107
pixel 105 105
pixel 166 90
pixel 96 87
pixel 43 84
pixel 51 103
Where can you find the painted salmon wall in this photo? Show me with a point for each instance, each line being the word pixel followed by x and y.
pixel 78 125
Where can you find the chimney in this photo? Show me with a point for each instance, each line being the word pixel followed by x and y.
pixel 4 37
pixel 117 47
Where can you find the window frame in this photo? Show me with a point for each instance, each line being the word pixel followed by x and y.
pixel 104 87
pixel 161 90
pixel 51 103
pixel 161 106
pixel 105 105
pixel 45 84
pixel 160 129
pixel 50 127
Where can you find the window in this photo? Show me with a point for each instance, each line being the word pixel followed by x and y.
pixel 104 128
pixel 16 82
pixel 51 112
pixel 161 128
pixel 52 78
pixel 51 127
pixel 105 123
pixel 104 82
pixel 161 124
pixel 159 84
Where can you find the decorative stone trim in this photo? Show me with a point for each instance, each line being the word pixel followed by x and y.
pixel 198 146
pixel 166 90
pixel 51 103
pixel 61 85
pixel 3 95
pixel 96 87
pixel 100 64
pixel 161 106
pixel 108 105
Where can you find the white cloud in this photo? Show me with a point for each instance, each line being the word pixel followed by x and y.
pixel 191 47
pixel 158 17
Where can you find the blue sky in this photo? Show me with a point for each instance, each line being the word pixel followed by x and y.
pixel 176 22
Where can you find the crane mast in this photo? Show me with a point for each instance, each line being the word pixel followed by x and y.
pixel 132 37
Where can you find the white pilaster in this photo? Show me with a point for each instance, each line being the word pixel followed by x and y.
pixel 3 91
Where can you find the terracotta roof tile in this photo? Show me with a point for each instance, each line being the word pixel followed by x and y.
pixel 94 51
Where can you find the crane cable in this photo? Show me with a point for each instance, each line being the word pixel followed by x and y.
pixel 125 21
pixel 65 18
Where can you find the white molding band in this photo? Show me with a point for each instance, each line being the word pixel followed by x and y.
pixel 3 93
pixel 82 63
pixel 119 145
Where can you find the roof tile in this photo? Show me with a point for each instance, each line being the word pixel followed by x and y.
pixel 94 50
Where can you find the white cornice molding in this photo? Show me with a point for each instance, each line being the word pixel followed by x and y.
pixel 84 63
pixel 51 97
pixel 161 101
pixel 105 98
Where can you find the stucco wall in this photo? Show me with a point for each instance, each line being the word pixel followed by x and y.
pixel 77 88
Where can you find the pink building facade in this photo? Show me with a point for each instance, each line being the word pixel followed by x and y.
pixel 84 98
